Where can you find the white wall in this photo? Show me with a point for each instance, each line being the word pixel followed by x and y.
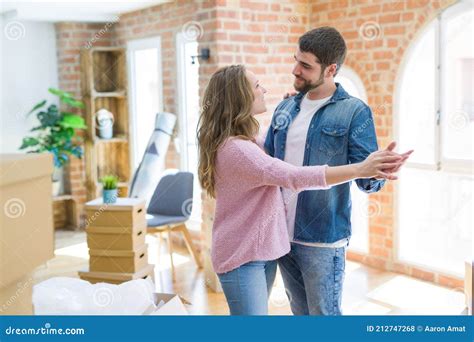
pixel 28 68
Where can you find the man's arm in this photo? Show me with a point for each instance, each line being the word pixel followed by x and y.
pixel 362 142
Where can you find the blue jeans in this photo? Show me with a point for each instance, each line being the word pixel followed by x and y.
pixel 248 287
pixel 313 278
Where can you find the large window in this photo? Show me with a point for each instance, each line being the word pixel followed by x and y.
pixel 435 111
pixel 351 82
pixel 144 58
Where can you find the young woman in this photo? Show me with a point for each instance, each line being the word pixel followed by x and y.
pixel 249 231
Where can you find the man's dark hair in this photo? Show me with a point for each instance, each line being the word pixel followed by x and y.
pixel 326 43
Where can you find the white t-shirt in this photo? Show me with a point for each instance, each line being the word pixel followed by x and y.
pixel 294 154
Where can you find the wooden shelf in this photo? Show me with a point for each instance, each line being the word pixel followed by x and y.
pixel 120 138
pixel 62 198
pixel 118 94
pixel 104 86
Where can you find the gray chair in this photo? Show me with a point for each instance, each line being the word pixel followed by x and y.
pixel 169 209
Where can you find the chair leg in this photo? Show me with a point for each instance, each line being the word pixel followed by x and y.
pixel 170 249
pixel 190 245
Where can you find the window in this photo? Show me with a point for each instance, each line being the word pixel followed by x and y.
pixel 351 82
pixel 435 109
pixel 144 57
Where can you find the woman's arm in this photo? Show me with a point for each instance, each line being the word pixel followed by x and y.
pixel 251 163
pixel 373 166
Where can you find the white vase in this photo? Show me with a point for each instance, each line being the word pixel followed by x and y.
pixel 56 188
pixel 58 181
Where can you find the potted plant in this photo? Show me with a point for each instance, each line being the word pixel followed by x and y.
pixel 56 133
pixel 109 188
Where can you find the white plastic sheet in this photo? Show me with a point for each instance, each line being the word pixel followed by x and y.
pixel 73 296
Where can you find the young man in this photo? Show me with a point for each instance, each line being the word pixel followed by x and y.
pixel 322 124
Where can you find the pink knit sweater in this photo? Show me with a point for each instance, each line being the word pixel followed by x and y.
pixel 250 221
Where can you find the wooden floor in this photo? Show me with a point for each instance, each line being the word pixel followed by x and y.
pixel 367 291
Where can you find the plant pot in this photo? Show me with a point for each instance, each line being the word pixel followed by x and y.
pixel 106 132
pixel 56 187
pixel 110 196
pixel 58 181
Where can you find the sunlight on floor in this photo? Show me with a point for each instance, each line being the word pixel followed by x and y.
pixel 164 258
pixel 79 250
pixel 418 296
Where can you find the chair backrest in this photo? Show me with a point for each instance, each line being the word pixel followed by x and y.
pixel 152 164
pixel 173 196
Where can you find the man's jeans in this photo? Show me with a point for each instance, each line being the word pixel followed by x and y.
pixel 313 278
pixel 248 287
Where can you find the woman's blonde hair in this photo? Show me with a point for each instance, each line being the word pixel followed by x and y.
pixel 226 112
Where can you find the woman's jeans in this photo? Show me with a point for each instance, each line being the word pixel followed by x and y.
pixel 248 287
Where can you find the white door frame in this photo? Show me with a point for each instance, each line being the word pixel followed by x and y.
pixel 181 40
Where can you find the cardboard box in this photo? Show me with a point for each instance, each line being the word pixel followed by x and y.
pixel 15 298
pixel 468 285
pixel 148 272
pixel 116 238
pixel 212 280
pixel 103 260
pixel 26 219
pixel 126 212
pixel 171 305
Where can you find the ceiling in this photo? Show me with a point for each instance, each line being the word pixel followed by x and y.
pixel 68 10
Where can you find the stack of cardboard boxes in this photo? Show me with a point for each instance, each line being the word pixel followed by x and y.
pixel 116 240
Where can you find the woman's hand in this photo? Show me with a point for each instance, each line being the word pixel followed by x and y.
pixel 382 164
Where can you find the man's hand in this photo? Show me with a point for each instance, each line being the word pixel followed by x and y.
pixel 405 156
pixel 287 95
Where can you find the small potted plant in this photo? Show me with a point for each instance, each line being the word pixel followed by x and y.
pixel 109 188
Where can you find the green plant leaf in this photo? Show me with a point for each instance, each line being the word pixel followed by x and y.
pixel 28 142
pixel 37 106
pixel 109 182
pixel 72 121
pixel 60 93
pixel 72 102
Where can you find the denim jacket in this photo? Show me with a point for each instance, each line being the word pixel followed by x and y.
pixel 341 132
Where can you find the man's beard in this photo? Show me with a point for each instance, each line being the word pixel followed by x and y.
pixel 307 86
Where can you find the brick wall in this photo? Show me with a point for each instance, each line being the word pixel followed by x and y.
pixel 378 34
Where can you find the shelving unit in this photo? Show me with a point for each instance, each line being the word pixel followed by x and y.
pixel 104 85
pixel 66 215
